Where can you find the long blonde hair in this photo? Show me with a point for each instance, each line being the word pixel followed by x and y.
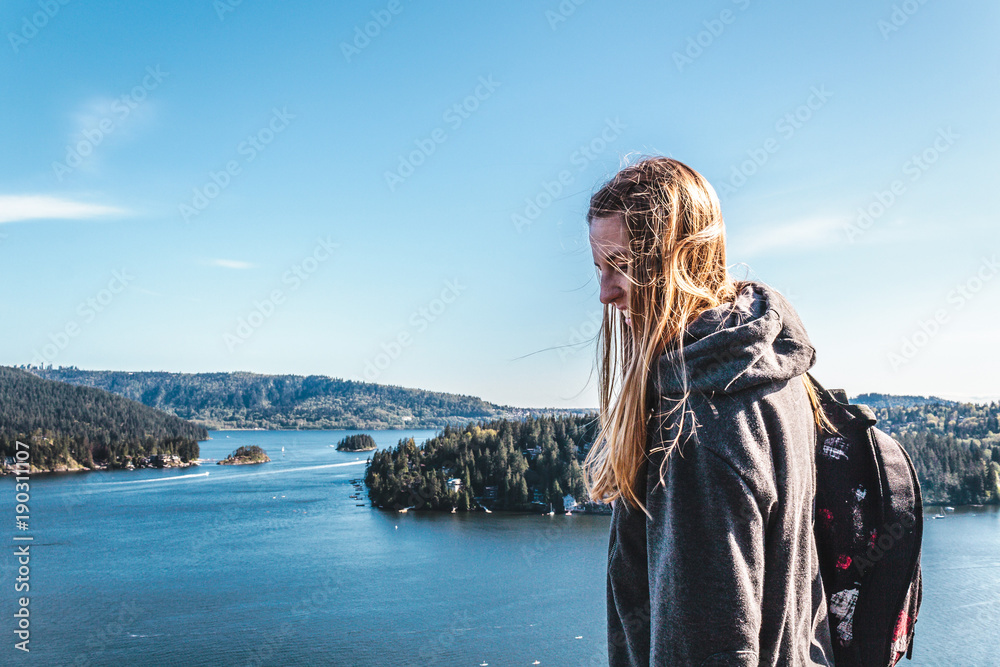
pixel 676 270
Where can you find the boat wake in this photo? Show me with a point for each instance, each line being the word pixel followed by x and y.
pixel 224 476
pixel 181 478
pixel 284 470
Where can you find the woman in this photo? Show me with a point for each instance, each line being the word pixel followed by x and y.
pixel 706 448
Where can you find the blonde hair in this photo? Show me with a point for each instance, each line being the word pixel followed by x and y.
pixel 676 270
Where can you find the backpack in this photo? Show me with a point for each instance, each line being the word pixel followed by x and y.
pixel 868 522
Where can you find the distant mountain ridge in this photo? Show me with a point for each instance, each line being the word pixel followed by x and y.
pixel 250 400
pixel 891 401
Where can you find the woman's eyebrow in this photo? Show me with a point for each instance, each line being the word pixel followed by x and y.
pixel 616 255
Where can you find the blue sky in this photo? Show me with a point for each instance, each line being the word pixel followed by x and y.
pixel 395 191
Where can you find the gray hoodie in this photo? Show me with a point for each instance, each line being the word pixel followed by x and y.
pixel 726 571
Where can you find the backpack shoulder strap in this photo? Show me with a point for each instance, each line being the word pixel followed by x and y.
pixel 836 399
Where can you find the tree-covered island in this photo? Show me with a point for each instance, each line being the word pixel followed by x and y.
pixel 245 456
pixel 361 442
pixel 529 465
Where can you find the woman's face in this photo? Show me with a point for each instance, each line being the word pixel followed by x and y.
pixel 609 243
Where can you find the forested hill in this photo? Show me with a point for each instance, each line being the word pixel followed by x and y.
pixel 249 400
pixel 955 447
pixel 69 427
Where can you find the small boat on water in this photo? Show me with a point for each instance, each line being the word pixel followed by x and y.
pixel 938 516
pixel 949 509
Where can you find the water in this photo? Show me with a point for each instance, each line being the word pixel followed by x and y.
pixel 960 612
pixel 276 565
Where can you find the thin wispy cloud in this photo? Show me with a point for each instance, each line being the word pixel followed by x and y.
pixel 230 263
pixel 794 236
pixel 124 114
pixel 98 123
pixel 22 208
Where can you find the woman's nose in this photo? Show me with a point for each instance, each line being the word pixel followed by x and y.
pixel 610 290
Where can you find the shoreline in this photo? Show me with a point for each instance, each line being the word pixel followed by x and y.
pixel 322 428
pixel 100 466
pixel 242 462
pixel 940 507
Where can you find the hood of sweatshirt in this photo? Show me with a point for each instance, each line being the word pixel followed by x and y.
pixel 756 339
